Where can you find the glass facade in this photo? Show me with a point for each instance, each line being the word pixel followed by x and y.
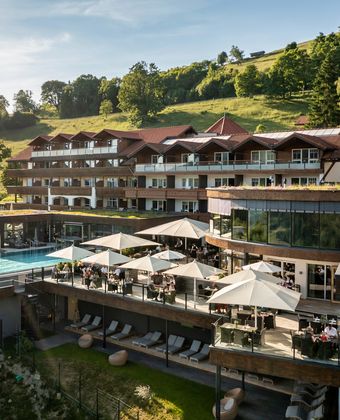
pixel 306 230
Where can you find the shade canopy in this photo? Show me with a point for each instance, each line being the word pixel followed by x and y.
pixel 195 270
pixel 71 253
pixel 262 266
pixel 257 291
pixel 247 275
pixel 168 254
pixel 107 258
pixel 337 273
pixel 184 228
pixel 148 263
pixel 120 241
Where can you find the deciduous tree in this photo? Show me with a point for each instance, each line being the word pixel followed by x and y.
pixel 248 83
pixel 106 108
pixel 141 93
pixel 222 58
pixel 24 102
pixel 52 92
pixel 236 53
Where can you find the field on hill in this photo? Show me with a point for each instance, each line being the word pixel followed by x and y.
pixel 248 112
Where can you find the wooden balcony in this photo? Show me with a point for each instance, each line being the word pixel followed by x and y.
pixel 69 172
pixel 21 190
pixel 117 192
pixel 165 193
pixel 77 191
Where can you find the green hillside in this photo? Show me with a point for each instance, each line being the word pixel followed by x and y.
pixel 248 112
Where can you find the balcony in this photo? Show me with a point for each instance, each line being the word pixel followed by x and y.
pixel 76 191
pixel 117 192
pixel 70 172
pixel 75 152
pixel 26 190
pixel 166 193
pixel 223 167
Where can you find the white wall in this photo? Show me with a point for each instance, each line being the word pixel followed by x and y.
pixel 334 173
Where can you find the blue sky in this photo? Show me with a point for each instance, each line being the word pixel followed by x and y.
pixel 60 39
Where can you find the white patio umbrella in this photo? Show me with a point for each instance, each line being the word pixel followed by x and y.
pixel 262 266
pixel 120 241
pixel 149 264
pixel 183 228
pixel 71 253
pixel 254 288
pixel 195 270
pixel 168 254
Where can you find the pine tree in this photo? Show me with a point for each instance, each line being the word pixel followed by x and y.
pixel 325 110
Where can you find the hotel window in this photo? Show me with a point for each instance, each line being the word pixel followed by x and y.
pixel 221 157
pixel 67 146
pixel 260 182
pixel 112 182
pixel 88 182
pixel 155 159
pixel 190 158
pixel 305 155
pixel 88 144
pixel 68 164
pixel 113 143
pixel 112 203
pixel 67 182
pixel 112 162
pixel 159 205
pixel 262 156
pixel 189 206
pixel 190 183
pixel 304 181
pixel 159 183
pixel 224 182
pixel 46 182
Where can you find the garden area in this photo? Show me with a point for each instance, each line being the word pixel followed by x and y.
pixel 143 392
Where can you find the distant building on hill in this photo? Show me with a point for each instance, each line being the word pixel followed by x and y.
pixel 302 121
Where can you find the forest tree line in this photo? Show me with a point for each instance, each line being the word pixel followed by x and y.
pixel 146 90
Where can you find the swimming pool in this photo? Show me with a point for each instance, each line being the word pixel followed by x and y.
pixel 26 260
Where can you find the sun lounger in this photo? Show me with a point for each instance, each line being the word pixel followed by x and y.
pixel 152 341
pixel 178 345
pixel 95 324
pixel 195 348
pixel 203 354
pixel 110 330
pixel 296 412
pixel 126 332
pixel 171 342
pixel 138 341
pixel 312 394
pixel 83 322
pixel 309 403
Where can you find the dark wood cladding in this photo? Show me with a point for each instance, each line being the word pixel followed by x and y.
pixel 281 194
pixel 70 172
pixel 110 192
pixel 319 373
pixel 78 191
pixel 165 193
pixel 156 310
pixel 27 190
pixel 6 292
pixel 275 251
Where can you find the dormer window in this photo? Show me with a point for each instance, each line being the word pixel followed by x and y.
pixel 305 155
pixel 155 159
pixel 221 157
pixel 190 158
pixel 262 156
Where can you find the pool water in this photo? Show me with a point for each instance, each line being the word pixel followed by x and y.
pixel 26 260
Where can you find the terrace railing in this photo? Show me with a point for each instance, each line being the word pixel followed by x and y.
pixel 75 152
pixel 221 166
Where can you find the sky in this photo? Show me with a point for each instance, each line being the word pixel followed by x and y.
pixel 44 40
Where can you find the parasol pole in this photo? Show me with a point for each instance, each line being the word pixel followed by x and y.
pixel 194 292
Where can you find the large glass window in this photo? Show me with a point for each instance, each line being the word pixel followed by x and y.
pixel 305 155
pixel 216 219
pixel 257 226
pixel 279 228
pixel 262 156
pixel 226 226
pixel 240 224
pixel 221 157
pixel 330 231
pixel 306 230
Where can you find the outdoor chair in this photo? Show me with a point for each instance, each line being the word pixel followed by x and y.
pixel 95 324
pixel 307 347
pixel 202 355
pixel 296 412
pixel 309 403
pixel 178 345
pixel 296 340
pixel 151 294
pixel 227 335
pixel 140 340
pixel 309 386
pixel 85 321
pixel 171 342
pixel 325 350
pixel 298 389
pixel 110 330
pixel 194 348
pixel 258 337
pixel 126 332
pixel 241 338
pixel 170 297
pixel 152 341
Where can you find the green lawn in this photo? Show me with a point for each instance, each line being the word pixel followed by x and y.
pixel 173 397
pixel 249 112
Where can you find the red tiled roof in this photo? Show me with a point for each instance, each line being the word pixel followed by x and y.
pixel 302 120
pixel 157 135
pixel 39 138
pixel 138 146
pixel 225 126
pixel 88 134
pixel 63 136
pixel 23 155
pixel 134 135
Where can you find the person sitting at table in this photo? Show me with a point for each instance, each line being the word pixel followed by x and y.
pixel 330 331
pixel 172 287
pixel 117 273
pixel 54 272
pixel 162 293
pixel 66 270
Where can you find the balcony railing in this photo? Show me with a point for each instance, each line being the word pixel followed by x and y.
pixel 75 152
pixel 219 167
